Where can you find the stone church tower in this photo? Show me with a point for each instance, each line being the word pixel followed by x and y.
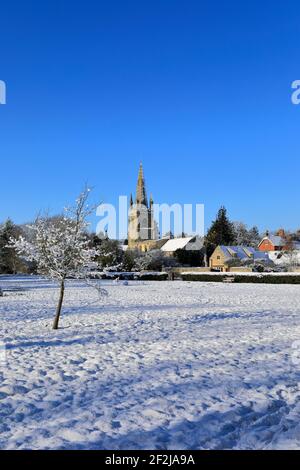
pixel 142 228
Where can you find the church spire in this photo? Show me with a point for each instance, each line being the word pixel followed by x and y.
pixel 141 197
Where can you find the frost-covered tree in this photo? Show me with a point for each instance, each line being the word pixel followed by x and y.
pixel 245 236
pixel 110 254
pixel 295 235
pixel 241 233
pixel 254 236
pixel 291 253
pixel 153 260
pixel 169 235
pixel 292 257
pixel 60 246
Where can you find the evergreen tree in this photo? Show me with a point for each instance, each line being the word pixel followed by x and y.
pixel 189 257
pixel 221 232
pixel 129 258
pixel 10 262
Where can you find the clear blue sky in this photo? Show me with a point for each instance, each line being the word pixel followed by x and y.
pixel 200 91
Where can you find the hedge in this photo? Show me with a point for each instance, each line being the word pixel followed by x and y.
pixel 128 276
pixel 153 276
pixel 239 278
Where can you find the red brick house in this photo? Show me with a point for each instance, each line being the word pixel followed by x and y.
pixel 273 243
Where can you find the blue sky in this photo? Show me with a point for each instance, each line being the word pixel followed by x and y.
pixel 200 91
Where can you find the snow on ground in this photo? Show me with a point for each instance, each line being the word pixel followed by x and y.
pixel 156 365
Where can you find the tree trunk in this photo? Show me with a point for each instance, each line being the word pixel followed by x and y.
pixel 59 305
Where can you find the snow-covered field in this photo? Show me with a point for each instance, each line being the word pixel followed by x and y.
pixel 156 365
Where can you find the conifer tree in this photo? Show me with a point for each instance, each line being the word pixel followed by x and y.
pixel 9 260
pixel 221 232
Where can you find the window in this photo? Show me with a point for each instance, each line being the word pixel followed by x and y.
pixel 231 252
pixel 248 252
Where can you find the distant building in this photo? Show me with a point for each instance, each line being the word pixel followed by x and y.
pixel 272 243
pixel 286 258
pixel 224 254
pixel 142 228
pixel 278 243
pixel 182 243
pixel 143 231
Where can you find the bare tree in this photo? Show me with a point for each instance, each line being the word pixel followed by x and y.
pixel 291 252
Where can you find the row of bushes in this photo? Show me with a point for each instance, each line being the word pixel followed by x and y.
pixel 153 276
pixel 259 278
pixel 201 277
pixel 128 276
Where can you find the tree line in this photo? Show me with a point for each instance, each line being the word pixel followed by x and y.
pixel 110 254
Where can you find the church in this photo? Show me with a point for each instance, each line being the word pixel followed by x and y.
pixel 143 232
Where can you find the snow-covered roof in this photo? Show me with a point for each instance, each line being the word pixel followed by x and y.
pixel 276 240
pixel 176 244
pixel 243 252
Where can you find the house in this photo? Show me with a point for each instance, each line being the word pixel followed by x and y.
pixel 272 243
pixel 278 243
pixel 224 254
pixel 288 259
pixel 148 245
pixel 182 243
